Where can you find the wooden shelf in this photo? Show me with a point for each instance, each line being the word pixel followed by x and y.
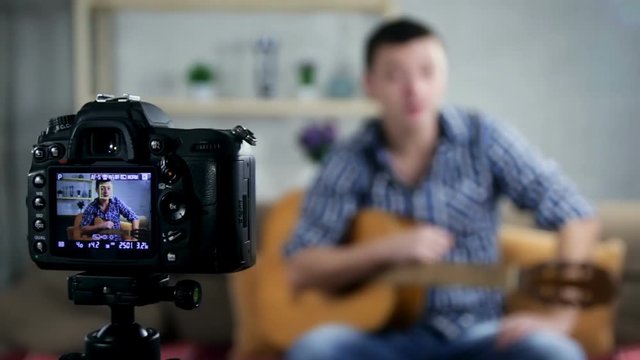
pixel 265 108
pixel 386 7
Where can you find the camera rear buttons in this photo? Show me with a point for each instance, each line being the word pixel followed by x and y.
pixel 39 154
pixel 170 169
pixel 156 146
pixel 39 225
pixel 173 235
pixel 40 247
pixel 173 207
pixel 39 203
pixel 38 181
pixel 56 151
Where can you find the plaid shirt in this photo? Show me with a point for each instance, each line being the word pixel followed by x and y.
pixel 476 161
pixel 114 210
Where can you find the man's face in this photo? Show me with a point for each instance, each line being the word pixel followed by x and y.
pixel 105 190
pixel 408 80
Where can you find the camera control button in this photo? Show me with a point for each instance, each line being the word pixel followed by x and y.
pixel 39 203
pixel 171 257
pixel 56 151
pixel 39 154
pixel 170 169
pixel 38 181
pixel 156 146
pixel 39 225
pixel 173 208
pixel 173 235
pixel 40 247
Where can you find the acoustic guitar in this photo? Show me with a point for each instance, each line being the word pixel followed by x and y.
pixel 126 234
pixel 396 297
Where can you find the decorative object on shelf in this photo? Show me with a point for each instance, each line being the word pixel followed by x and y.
pixel 342 83
pixel 266 66
pixel 80 205
pixel 201 81
pixel 307 80
pixel 316 139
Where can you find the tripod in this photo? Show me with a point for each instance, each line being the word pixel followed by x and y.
pixel 123 338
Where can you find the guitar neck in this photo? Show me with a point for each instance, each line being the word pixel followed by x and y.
pixel 496 276
pixel 115 232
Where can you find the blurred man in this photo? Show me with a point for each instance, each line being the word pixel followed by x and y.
pixel 104 212
pixel 446 167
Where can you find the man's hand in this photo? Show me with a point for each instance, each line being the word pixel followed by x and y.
pixel 424 245
pixel 107 225
pixel 516 326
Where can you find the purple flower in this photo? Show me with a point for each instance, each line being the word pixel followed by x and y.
pixel 316 139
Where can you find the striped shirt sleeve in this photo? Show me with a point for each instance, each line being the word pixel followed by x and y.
pixel 331 202
pixel 125 210
pixel 530 180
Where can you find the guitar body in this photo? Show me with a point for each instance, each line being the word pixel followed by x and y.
pixel 285 315
pixel 124 231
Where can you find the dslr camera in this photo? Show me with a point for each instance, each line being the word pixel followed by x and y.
pixel 114 189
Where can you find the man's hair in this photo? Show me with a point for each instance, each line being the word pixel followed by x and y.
pixel 397 31
pixel 100 182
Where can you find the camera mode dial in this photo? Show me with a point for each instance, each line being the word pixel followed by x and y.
pixel 60 123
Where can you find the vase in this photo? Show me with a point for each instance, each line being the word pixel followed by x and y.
pixel 202 91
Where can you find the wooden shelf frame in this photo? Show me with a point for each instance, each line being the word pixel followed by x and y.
pixel 86 72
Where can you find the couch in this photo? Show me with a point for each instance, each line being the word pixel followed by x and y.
pixel 36 315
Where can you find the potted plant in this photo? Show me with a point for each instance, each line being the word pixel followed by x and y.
pixel 201 81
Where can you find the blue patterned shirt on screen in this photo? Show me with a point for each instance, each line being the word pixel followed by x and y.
pixel 114 210
pixel 476 161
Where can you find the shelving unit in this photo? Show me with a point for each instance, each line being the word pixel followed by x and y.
pixel 257 108
pixel 94 70
pixel 70 186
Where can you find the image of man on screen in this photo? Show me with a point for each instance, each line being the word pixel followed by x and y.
pixel 104 212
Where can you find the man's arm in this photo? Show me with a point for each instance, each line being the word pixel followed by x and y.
pixel 90 229
pixel 315 258
pixel 536 183
pixel 128 214
pixel 88 217
pixel 576 240
pixel 332 268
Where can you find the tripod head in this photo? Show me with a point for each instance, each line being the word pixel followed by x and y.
pixel 123 338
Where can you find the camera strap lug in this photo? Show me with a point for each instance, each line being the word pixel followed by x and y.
pixel 244 134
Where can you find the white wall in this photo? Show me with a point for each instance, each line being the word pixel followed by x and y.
pixel 566 73
pixel 35 49
pixel 4 128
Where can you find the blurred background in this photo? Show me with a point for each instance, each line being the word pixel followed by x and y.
pixel 565 73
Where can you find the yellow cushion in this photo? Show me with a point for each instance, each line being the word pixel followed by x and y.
pixel 525 247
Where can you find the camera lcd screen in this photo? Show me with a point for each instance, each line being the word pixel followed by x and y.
pixel 104 214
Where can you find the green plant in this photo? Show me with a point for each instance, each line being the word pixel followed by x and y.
pixel 201 73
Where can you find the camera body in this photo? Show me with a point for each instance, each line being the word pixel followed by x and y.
pixel 113 189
